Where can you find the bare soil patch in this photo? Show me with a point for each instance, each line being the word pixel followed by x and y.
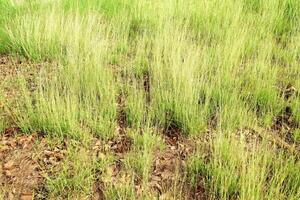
pixel 284 124
pixel 250 137
pixel 120 145
pixel 147 87
pixel 25 162
pixel 169 165
pixel 12 68
pixel 121 116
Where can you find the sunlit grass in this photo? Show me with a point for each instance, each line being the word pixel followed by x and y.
pixel 193 65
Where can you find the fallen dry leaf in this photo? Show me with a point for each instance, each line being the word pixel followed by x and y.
pixel 9 165
pixel 48 153
pixel 7 173
pixel 28 196
pixel 4 148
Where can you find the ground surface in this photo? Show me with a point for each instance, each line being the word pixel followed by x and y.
pixel 136 99
pixel 28 160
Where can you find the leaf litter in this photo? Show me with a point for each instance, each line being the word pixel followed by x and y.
pixel 26 160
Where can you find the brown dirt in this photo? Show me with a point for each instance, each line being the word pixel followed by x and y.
pixel 25 162
pixel 120 145
pixel 288 91
pixel 214 120
pixel 169 164
pixel 168 167
pixel 147 87
pixel 121 116
pixel 199 192
pixel 251 138
pixel 284 124
pixel 12 68
pixel 98 192
pixel 27 159
pixel 113 174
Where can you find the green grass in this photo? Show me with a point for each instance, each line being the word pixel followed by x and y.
pixel 194 65
pixel 141 157
pixel 76 177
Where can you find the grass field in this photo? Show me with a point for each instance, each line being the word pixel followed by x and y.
pixel 149 99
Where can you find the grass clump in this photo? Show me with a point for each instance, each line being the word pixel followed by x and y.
pixel 258 173
pixel 144 66
pixel 76 176
pixel 140 159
